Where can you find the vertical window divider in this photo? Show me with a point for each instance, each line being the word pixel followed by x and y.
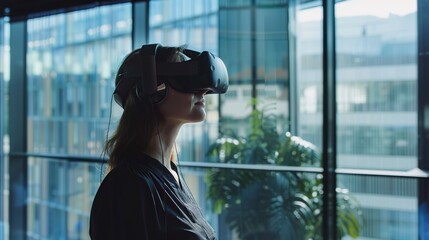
pixel 2 111
pixel 423 113
pixel 140 24
pixel 254 53
pixel 293 92
pixel 329 226
pixel 18 173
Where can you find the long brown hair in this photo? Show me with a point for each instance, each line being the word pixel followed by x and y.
pixel 138 121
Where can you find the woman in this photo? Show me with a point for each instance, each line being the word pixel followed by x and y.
pixel 143 196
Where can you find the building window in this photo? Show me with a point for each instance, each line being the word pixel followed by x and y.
pixel 71 62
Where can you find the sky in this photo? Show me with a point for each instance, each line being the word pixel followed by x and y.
pixel 378 8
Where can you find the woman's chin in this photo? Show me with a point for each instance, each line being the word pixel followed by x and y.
pixel 199 116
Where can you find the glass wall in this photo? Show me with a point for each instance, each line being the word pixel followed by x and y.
pixel 376 68
pixel 377 85
pixel 254 165
pixel 309 71
pixel 60 197
pixel 251 120
pixel 376 50
pixel 71 61
pixel 193 24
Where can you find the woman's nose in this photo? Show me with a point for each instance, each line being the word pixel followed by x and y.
pixel 203 91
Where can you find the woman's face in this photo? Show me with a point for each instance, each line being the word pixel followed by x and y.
pixel 178 107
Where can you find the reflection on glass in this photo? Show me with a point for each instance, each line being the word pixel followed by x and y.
pixel 376 51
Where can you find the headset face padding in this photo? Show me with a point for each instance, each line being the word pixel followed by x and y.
pixel 202 72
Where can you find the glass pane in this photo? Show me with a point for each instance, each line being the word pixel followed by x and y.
pixel 377 84
pixel 255 204
pixel 71 61
pixel 60 196
pixel 254 42
pixel 252 118
pixel 376 50
pixel 309 72
pixel 388 206
pixel 176 23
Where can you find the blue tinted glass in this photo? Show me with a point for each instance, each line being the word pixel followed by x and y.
pixel 71 60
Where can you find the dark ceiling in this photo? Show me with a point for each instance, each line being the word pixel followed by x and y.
pixel 22 9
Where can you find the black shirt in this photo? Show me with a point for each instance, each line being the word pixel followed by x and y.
pixel 141 199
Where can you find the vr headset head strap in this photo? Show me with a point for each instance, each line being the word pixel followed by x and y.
pixel 147 86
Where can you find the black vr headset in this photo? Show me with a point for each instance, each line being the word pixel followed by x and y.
pixel 203 72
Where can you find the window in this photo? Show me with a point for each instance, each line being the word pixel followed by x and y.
pixel 377 110
pixel 255 164
pixel 71 61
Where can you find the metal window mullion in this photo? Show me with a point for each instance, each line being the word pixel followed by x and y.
pixel 423 113
pixel 140 24
pixel 329 123
pixel 254 51
pixel 293 81
pixel 18 174
pixel 2 111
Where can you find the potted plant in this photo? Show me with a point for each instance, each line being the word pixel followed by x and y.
pixel 261 204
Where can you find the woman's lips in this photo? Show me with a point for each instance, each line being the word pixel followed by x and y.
pixel 201 103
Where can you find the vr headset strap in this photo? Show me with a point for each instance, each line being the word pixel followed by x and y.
pixel 148 86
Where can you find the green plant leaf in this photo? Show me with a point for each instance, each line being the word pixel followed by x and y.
pixel 267 205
